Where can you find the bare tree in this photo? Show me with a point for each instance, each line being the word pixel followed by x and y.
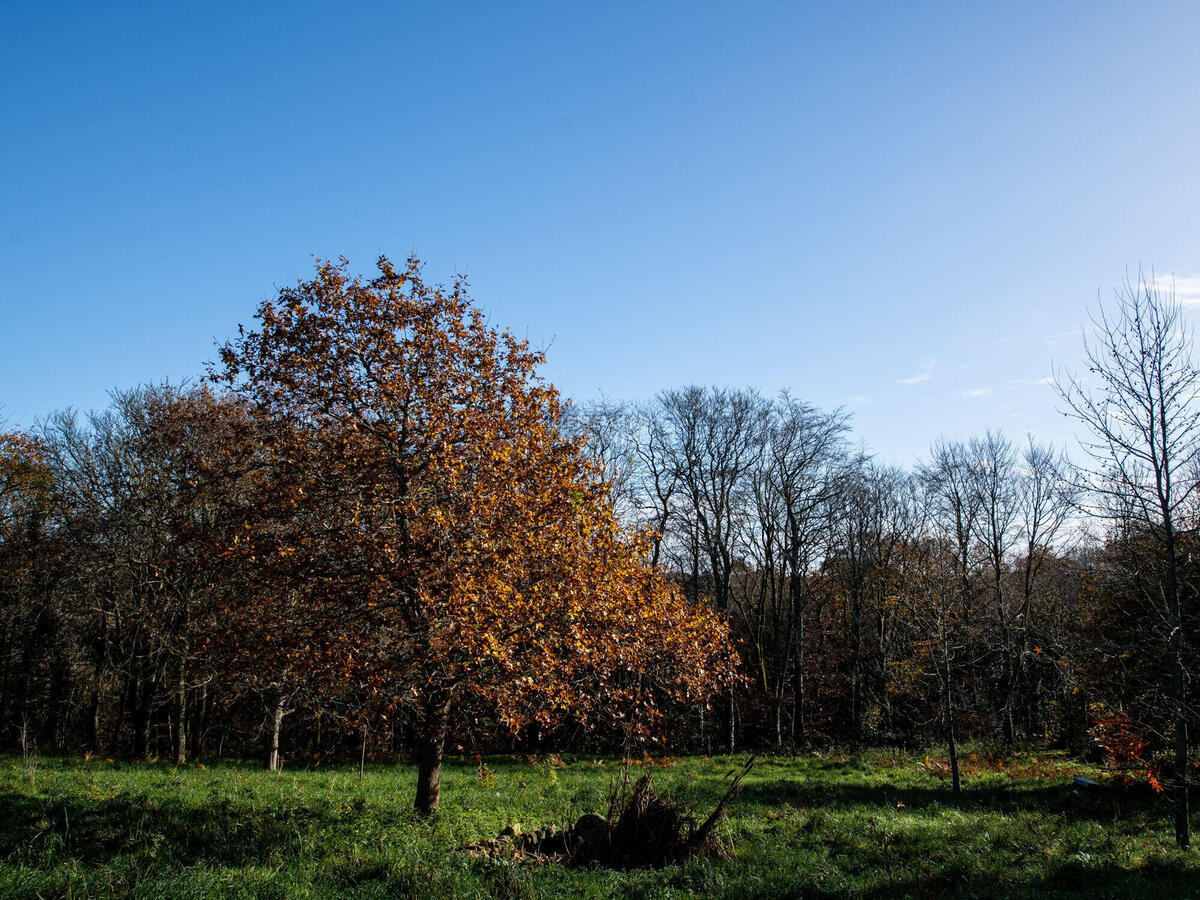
pixel 1141 407
pixel 798 471
pixel 1046 498
pixel 993 471
pixel 656 469
pixel 718 437
pixel 955 504
pixel 873 514
pixel 806 460
pixel 607 428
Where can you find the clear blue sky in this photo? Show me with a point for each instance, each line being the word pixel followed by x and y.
pixel 904 208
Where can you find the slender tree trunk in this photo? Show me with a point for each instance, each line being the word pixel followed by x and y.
pixel 779 694
pixel 799 737
pixel 93 720
pixel 199 724
pixel 100 668
pixel 1016 679
pixel 119 725
pixel 181 712
pixel 431 742
pixel 1183 835
pixel 362 758
pixel 6 654
pixel 732 720
pixel 59 689
pixel 855 671
pixel 276 728
pixel 882 674
pixel 948 713
pixel 141 717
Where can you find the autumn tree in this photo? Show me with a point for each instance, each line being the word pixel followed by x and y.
pixel 461 539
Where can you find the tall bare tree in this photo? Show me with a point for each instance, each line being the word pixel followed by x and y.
pixel 992 463
pixel 718 439
pixel 1046 499
pixel 1140 404
pixel 806 459
pixel 955 502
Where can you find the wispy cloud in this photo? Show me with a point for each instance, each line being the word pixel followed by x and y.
pixel 1033 382
pixel 857 400
pixel 1051 340
pixel 925 373
pixel 1186 288
pixel 976 392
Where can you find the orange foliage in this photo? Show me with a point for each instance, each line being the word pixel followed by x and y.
pixel 1124 749
pixel 439 529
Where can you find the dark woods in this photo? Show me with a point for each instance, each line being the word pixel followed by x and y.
pixel 160 561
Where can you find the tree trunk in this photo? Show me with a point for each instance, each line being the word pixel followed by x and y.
pixel 362 758
pixel 181 712
pixel 199 724
pixel 59 689
pixel 948 714
pixel 276 728
pixel 431 742
pixel 779 718
pixel 141 717
pixel 1183 835
pixel 855 664
pixel 93 721
pixel 1010 726
pixel 99 671
pixel 732 720
pixel 5 654
pixel 119 725
pixel 798 726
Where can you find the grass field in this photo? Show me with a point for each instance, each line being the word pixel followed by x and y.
pixel 875 824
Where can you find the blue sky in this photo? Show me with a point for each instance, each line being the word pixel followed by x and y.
pixel 902 208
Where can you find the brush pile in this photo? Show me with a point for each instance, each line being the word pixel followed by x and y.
pixel 643 829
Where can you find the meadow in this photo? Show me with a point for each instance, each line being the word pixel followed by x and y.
pixel 871 824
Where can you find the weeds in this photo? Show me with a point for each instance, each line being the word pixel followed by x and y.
pixel 29 754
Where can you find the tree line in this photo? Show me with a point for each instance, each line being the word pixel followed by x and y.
pixel 373 521
pixel 995 591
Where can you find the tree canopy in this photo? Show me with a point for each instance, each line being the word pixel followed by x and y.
pixel 444 515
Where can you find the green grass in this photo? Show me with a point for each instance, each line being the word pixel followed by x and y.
pixel 874 824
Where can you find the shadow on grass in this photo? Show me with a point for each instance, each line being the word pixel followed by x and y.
pixel 1046 798
pixel 220 831
pixel 970 865
pixel 159 832
pixel 1068 880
